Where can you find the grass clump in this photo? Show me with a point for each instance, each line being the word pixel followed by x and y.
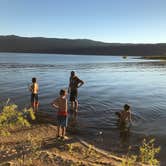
pixel 148 152
pixel 147 155
pixel 11 118
pixel 129 159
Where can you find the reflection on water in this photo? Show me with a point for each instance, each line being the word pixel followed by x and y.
pixel 110 82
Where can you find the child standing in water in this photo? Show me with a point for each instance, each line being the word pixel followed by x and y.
pixel 125 122
pixel 34 94
pixel 61 104
pixel 125 115
pixel 74 84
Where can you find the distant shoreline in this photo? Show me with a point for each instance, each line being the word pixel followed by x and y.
pixel 122 55
pixel 150 57
pixel 157 57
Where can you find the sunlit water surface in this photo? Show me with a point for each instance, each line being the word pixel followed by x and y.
pixel 110 82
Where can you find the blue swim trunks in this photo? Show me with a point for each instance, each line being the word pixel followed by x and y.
pixel 62 121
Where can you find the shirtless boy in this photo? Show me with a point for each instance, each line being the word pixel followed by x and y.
pixel 34 88
pixel 125 115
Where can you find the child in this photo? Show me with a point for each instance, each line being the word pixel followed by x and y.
pixel 34 94
pixel 74 84
pixel 61 104
pixel 125 115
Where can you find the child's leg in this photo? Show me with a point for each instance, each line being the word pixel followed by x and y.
pixel 72 109
pixel 75 115
pixel 72 105
pixel 63 131
pixel 75 110
pixel 58 130
pixel 33 106
pixel 64 125
pixel 33 102
pixel 76 105
pixel 36 106
pixel 36 103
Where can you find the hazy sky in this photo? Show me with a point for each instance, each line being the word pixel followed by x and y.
pixel 137 21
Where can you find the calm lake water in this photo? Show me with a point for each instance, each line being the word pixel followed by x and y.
pixel 110 82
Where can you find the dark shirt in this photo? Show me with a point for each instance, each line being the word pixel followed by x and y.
pixel 74 82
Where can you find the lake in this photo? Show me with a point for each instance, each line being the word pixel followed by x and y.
pixel 110 82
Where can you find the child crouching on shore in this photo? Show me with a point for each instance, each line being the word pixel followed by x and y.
pixel 61 104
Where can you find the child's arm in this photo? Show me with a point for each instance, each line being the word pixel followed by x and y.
pixel 30 87
pixel 120 117
pixel 81 82
pixel 36 87
pixel 69 85
pixel 55 103
pixel 130 117
pixel 66 105
pixel 118 114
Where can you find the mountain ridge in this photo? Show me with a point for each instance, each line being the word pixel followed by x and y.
pixel 13 43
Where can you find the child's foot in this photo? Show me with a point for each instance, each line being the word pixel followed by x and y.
pixel 64 138
pixel 58 137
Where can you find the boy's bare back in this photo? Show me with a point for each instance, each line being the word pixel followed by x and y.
pixel 125 116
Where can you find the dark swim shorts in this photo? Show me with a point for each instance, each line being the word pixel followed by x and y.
pixel 34 98
pixel 73 95
pixel 62 120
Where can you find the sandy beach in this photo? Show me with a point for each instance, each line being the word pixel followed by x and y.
pixel 53 151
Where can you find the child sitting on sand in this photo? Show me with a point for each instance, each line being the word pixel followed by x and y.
pixel 125 115
pixel 61 104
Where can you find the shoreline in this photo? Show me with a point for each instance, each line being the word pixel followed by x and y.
pixel 115 152
pixel 71 151
pixel 74 150
pixel 157 57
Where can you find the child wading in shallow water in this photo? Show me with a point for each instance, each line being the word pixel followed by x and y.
pixel 125 122
pixel 125 115
pixel 74 84
pixel 61 104
pixel 34 95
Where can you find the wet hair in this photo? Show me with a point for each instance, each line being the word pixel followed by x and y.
pixel 126 107
pixel 72 73
pixel 62 92
pixel 33 79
